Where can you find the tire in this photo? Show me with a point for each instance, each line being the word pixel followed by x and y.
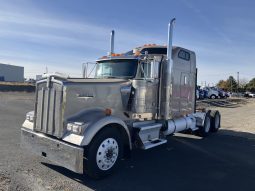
pixel 213 96
pixel 215 120
pixel 205 129
pixel 103 153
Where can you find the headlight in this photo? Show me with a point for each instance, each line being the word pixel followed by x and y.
pixel 76 127
pixel 30 116
pixel 69 127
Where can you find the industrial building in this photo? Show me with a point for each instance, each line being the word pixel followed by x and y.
pixel 11 73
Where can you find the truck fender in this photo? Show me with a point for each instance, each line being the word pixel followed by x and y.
pixel 94 128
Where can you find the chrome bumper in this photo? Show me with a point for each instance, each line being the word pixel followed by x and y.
pixel 64 154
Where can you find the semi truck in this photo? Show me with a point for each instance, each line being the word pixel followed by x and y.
pixel 134 101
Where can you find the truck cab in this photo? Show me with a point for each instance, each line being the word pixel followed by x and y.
pixel 134 100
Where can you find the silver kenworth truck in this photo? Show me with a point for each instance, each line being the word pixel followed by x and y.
pixel 135 100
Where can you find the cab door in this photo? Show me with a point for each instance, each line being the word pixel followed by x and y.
pixel 148 76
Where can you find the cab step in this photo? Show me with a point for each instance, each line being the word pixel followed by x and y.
pixel 149 134
pixel 151 144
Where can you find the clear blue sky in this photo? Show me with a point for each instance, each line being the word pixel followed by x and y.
pixel 62 34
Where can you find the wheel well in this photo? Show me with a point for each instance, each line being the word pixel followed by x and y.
pixel 124 137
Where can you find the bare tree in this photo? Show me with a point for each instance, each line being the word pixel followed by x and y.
pixel 243 82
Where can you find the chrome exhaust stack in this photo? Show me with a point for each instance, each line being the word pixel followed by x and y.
pixel 170 39
pixel 112 43
pixel 166 91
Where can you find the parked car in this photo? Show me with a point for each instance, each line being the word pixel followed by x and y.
pixel 222 94
pixel 201 94
pixel 205 93
pixel 251 94
pixel 211 93
pixel 229 94
pixel 246 94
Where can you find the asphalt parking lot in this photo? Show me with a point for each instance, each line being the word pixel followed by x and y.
pixel 223 161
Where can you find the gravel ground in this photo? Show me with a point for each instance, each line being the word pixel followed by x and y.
pixel 240 120
pixel 237 115
pixel 223 161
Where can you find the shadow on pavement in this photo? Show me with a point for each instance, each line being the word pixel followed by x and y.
pixel 219 162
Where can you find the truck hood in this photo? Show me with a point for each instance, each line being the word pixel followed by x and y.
pixel 84 95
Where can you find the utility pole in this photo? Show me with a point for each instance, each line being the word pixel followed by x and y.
pixel 237 82
pixel 231 87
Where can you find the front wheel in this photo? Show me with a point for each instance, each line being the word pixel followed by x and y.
pixel 103 153
pixel 213 96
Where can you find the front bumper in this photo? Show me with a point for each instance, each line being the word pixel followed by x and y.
pixel 64 154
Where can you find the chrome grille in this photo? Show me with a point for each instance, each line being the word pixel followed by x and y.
pixel 49 109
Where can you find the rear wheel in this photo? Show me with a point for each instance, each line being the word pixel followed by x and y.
pixel 215 120
pixel 103 154
pixel 205 129
pixel 213 96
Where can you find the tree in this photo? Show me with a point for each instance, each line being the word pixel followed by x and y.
pixel 242 84
pixel 231 84
pixel 222 84
pixel 251 85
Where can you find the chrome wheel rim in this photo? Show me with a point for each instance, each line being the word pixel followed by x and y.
pixel 107 154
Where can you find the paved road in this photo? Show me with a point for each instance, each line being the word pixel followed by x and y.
pixel 219 162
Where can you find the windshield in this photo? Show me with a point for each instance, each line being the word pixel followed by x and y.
pixel 116 68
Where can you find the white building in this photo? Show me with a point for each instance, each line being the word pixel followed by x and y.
pixel 11 73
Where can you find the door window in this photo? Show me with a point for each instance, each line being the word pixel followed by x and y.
pixel 148 70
